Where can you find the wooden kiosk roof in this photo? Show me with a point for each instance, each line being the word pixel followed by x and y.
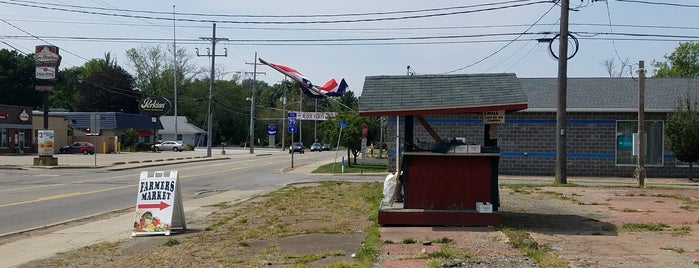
pixel 440 94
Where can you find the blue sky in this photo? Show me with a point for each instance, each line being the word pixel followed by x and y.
pixel 430 41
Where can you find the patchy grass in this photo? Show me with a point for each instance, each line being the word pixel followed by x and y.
pixel 252 233
pixel 446 253
pixel 541 254
pixel 644 227
pixel 678 250
pixel 355 168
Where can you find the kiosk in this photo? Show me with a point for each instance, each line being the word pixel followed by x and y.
pixel 456 183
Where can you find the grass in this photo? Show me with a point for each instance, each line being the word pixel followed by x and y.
pixel 358 168
pixel 541 254
pixel 644 227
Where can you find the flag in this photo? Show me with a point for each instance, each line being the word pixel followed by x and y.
pixel 330 88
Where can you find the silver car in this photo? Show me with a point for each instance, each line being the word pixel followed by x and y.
pixel 169 146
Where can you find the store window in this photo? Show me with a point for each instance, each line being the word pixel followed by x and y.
pixel 654 143
pixel 4 138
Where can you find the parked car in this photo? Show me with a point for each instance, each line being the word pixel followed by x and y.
pixel 78 147
pixel 169 146
pixel 296 147
pixel 325 147
pixel 316 147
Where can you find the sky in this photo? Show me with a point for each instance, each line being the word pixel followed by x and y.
pixel 355 39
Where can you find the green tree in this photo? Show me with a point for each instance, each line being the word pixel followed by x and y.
pixel 17 80
pixel 106 87
pixel 683 62
pixel 66 94
pixel 682 130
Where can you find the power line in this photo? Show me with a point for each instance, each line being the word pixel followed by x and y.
pixel 279 22
pixel 274 16
pixel 67 51
pixel 506 45
pixel 657 3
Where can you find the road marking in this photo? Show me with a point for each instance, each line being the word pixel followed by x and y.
pixel 61 196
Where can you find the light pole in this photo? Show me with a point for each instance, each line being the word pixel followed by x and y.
pixel 252 109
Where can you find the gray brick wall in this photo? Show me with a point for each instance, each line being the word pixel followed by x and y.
pixel 528 143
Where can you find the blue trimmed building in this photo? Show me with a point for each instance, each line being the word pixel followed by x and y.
pixel 601 119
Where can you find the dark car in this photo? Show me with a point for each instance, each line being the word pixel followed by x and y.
pixel 325 147
pixel 296 147
pixel 78 147
pixel 316 147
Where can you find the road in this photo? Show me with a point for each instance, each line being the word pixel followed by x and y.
pixel 40 197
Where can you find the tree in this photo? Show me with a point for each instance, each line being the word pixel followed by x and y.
pixel 351 135
pixel 682 130
pixel 683 62
pixel 66 94
pixel 106 87
pixel 17 80
pixel 610 67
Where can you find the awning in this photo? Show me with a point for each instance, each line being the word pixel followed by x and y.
pixel 145 133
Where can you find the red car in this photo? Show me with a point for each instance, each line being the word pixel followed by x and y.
pixel 78 147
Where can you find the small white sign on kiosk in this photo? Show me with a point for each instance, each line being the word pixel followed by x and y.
pixel 159 204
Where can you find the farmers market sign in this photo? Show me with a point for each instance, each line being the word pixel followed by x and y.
pixel 154 106
pixel 159 204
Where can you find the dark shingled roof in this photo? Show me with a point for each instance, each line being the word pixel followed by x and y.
pixel 440 94
pixel 609 94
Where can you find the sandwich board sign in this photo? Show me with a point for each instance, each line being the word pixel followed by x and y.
pixel 159 204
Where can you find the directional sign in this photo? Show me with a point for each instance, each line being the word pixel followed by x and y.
pixel 292 129
pixel 162 205
pixel 342 124
pixel 271 129
pixel 292 123
pixel 291 114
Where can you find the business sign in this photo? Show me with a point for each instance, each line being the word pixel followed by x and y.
pixel 154 106
pixel 494 117
pixel 271 129
pixel 46 61
pixel 159 204
pixel 45 138
pixel 624 142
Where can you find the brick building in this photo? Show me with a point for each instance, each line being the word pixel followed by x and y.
pixel 601 119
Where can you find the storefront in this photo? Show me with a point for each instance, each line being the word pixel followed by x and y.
pixel 16 130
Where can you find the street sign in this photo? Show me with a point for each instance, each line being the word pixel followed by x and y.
pixel 291 115
pixel 292 129
pixel 292 123
pixel 342 124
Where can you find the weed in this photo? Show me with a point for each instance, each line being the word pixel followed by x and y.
pixel 684 230
pixel 608 227
pixel 678 250
pixel 630 210
pixel 443 240
pixel 172 242
pixel 541 254
pixel 640 227
pixel 409 240
pixel 244 244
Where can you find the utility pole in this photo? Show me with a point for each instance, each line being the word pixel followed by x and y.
pixel 174 65
pixel 213 56
pixel 641 170
pixel 561 151
pixel 252 104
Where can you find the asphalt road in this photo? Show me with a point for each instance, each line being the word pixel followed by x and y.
pixel 35 198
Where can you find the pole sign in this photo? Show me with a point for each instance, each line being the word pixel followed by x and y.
pixel 342 124
pixel 159 204
pixel 365 131
pixel 271 129
pixel 292 122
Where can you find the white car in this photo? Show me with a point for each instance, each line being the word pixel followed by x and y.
pixel 170 146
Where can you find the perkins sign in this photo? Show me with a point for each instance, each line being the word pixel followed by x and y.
pixel 154 106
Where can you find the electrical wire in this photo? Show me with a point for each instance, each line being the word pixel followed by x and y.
pixel 506 45
pixel 657 3
pixel 274 16
pixel 40 39
pixel 280 22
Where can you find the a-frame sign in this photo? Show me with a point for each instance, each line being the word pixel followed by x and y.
pixel 159 204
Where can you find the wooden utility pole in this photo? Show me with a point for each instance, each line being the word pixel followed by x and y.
pixel 561 151
pixel 209 128
pixel 641 170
